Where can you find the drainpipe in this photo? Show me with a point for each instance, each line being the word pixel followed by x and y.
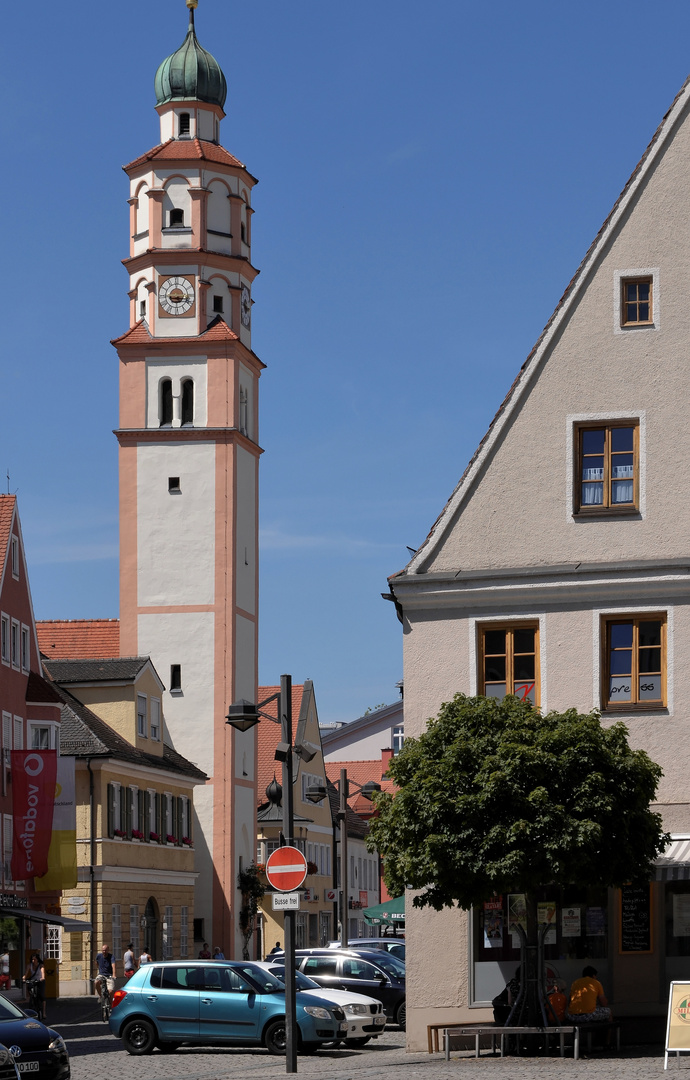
pixel 92 881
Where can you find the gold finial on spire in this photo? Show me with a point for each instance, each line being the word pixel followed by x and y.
pixel 191 4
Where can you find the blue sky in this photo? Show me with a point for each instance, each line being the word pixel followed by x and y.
pixel 430 177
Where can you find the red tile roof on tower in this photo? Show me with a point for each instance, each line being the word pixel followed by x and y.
pixel 270 736
pixel 7 505
pixel 79 639
pixel 218 330
pixel 186 150
pixel 360 773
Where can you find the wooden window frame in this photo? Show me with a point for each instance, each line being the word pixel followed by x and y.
pixel 607 508
pixel 642 279
pixel 510 627
pixel 635 618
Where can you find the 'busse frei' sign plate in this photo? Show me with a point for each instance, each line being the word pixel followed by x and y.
pixel 286 869
pixel 286 901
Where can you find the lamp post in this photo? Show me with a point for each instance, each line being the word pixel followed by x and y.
pixel 243 715
pixel 317 794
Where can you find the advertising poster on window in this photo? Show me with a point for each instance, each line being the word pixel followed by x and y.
pixel 517 916
pixel 62 854
pixel 571 922
pixel 546 913
pixel 493 923
pixel 595 920
pixel 33 795
pixel 681 914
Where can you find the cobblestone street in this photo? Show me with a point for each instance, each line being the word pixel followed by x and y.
pixel 94 1050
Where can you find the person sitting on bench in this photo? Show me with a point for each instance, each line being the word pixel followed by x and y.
pixel 588 1004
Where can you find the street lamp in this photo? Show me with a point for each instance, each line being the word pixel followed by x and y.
pixel 243 715
pixel 316 794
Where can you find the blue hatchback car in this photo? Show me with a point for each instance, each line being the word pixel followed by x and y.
pixel 209 1003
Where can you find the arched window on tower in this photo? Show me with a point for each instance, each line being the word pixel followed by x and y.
pixel 187 401
pixel 184 123
pixel 165 405
pixel 244 410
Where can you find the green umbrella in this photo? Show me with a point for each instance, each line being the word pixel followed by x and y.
pixel 390 913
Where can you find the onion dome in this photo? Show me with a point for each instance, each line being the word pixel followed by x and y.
pixel 191 73
pixel 274 792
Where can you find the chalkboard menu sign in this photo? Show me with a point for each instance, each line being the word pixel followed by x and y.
pixel 636 919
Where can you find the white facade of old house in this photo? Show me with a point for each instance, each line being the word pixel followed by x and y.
pixel 520 544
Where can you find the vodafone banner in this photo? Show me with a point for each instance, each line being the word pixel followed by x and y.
pixel 33 796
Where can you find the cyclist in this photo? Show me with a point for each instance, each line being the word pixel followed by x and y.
pixel 35 978
pixel 106 971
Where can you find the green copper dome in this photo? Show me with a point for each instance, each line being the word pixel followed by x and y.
pixel 190 74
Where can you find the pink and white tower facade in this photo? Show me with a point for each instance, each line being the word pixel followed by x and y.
pixel 189 458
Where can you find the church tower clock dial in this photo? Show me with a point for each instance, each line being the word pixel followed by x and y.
pixel 189 466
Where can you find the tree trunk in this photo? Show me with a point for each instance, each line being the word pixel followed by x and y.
pixel 530 1009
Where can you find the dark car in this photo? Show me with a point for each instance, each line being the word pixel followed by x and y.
pixel 394 946
pixel 36 1049
pixel 373 972
pixel 215 1003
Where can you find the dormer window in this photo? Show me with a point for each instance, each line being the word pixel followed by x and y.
pixel 185 125
pixel 165 406
pixel 176 218
pixel 187 401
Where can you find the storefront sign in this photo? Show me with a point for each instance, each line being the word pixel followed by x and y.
pixel 636 919
pixel 12 901
pixel 678 1022
pixel 33 794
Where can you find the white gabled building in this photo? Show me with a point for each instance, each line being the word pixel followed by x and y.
pixel 559 571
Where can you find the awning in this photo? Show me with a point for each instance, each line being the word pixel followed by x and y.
pixel 70 926
pixel 674 864
pixel 392 912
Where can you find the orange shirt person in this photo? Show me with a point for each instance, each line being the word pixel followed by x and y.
pixel 588 1004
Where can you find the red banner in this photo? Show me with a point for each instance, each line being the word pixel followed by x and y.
pixel 33 796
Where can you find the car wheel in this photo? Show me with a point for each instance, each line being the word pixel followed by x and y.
pixel 139 1037
pixel 168 1047
pixel 401 1014
pixel 275 1037
pixel 359 1042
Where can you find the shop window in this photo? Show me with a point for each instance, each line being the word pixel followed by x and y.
pixel 635 662
pixel 509 661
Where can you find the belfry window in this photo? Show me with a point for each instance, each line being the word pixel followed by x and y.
pixel 176 218
pixel 165 407
pixel 184 123
pixel 244 410
pixel 187 401
pixel 218 304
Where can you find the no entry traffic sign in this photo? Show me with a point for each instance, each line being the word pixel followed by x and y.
pixel 286 869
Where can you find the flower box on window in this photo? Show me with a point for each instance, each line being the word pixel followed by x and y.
pixel 137 834
pixel 119 833
pixel 170 839
pixel 187 840
pixel 312 868
pixel 154 836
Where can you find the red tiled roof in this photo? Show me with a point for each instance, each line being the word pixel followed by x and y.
pixel 7 505
pixel 79 639
pixel 359 773
pixel 139 334
pixel 269 737
pixel 186 150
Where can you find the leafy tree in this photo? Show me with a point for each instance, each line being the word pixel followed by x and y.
pixel 497 798
pixel 252 888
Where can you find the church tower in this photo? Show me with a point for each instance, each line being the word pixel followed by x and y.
pixel 189 457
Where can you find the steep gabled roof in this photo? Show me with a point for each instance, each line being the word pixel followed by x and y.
pixel 70 639
pixel 120 669
pixel 8 505
pixel 83 734
pixel 269 736
pixel 552 329
pixel 39 691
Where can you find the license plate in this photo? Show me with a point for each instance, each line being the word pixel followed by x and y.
pixel 379 1019
pixel 27 1066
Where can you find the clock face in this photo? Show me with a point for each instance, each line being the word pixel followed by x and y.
pixel 246 306
pixel 176 295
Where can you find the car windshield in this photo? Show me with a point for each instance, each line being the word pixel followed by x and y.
pixel 301 981
pixel 264 982
pixel 391 965
pixel 9 1011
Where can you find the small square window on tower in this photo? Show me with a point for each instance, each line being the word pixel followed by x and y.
pixel 184 123
pixel 176 218
pixel 637 302
pixel 175 678
pixel 174 484
pixel 218 303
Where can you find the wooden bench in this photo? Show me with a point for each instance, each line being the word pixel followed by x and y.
pixel 476 1031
